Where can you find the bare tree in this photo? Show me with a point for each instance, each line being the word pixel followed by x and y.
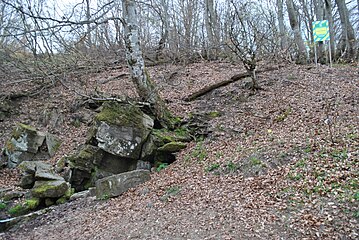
pixel 346 47
pixel 247 37
pixel 294 23
pixel 282 31
pixel 145 87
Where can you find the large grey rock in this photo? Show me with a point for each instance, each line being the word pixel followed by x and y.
pixel 32 166
pixel 49 189
pixel 29 168
pixel 25 145
pixel 117 184
pixel 122 130
pixel 52 143
pixel 80 195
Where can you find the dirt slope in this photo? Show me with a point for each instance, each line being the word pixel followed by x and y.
pixel 280 164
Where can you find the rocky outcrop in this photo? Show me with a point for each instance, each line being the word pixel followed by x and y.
pixel 49 189
pixel 117 184
pixel 122 130
pixel 28 144
pixel 45 184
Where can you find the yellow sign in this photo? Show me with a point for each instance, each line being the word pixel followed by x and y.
pixel 320 31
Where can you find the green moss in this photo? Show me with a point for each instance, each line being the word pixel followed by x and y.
pixel 85 157
pixel 32 203
pixel 2 205
pixel 61 200
pixel 42 189
pixel 255 161
pixel 125 115
pixel 172 147
pixel 163 136
pixel 19 130
pixel 17 210
pixel 214 114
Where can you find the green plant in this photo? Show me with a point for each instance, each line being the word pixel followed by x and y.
pixel 105 196
pixel 356 214
pixel 231 167
pixel 255 161
pixel 161 166
pixel 339 154
pixel 17 210
pixel 356 196
pixel 295 176
pixel 212 167
pixel 2 205
pixel 281 117
pixel 200 152
pixel 301 163
pixel 32 204
pixel 219 154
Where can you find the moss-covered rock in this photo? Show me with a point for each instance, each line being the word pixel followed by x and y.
pixel 85 157
pixel 49 189
pixel 163 136
pixel 172 147
pixel 27 144
pixel 53 143
pixel 24 207
pixel 122 129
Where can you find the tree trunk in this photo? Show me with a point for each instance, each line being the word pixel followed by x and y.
pixel 210 20
pixel 88 25
pixel 164 31
pixel 329 16
pixel 282 32
pixel 348 41
pixel 294 23
pixel 145 87
pixel 319 13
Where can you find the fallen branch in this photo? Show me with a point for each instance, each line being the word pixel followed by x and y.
pixel 234 78
pixel 115 78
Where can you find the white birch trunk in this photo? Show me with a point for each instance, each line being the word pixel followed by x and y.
pixel 145 87
pixel 293 19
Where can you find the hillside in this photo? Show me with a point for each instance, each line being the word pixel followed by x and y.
pixel 280 163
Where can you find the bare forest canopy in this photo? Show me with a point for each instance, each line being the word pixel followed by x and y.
pixel 45 38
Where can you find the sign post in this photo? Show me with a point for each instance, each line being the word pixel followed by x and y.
pixel 321 34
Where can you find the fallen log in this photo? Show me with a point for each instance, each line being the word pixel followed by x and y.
pixel 234 78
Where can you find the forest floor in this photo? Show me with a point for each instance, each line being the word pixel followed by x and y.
pixel 280 163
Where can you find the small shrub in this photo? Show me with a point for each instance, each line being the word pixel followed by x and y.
pixel 161 166
pixel 17 210
pixel 105 196
pixel 2 205
pixel 301 163
pixel 212 167
pixel 231 167
pixel 255 161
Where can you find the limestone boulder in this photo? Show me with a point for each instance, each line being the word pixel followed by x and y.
pixel 25 144
pixel 115 185
pixel 29 168
pixel 122 130
pixel 91 163
pixel 50 189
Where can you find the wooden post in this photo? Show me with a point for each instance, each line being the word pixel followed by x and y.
pixel 330 56
pixel 315 54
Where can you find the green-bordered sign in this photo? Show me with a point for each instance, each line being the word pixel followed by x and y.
pixel 321 31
